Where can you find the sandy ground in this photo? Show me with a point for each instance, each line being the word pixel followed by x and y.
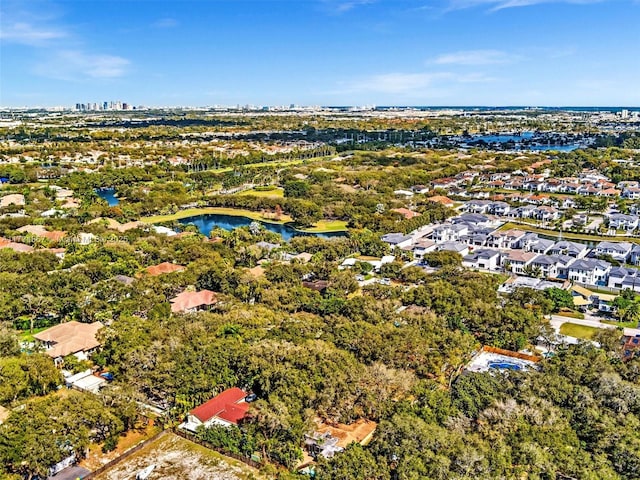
pixel 176 458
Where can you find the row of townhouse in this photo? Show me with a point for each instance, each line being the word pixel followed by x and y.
pixel 503 209
pixel 590 271
pixel 482 246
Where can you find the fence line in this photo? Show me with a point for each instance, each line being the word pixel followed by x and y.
pixel 124 456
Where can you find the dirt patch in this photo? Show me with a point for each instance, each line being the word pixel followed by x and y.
pixel 176 458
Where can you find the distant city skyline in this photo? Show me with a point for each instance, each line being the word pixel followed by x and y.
pixel 320 52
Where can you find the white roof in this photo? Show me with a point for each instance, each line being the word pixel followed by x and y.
pixel 387 259
pixel 349 262
pixel 90 383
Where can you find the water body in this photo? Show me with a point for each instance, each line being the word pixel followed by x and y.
pixel 525 136
pixel 206 223
pixel 108 194
pixel 503 138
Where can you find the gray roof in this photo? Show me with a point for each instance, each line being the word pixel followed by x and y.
pixel 452 246
pixel 395 238
pixel 589 264
pixel 622 272
pixel 471 218
pixel 622 247
pixel 544 260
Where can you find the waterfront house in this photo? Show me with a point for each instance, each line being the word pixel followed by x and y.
pixel 620 221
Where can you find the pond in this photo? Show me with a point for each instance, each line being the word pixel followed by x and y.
pixel 108 194
pixel 208 222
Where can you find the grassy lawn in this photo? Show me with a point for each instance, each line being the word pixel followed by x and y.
pixel 564 312
pixel 620 324
pixel 578 331
pixel 27 336
pixel 327 226
pixel 275 193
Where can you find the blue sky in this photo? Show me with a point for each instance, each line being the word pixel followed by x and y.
pixel 320 52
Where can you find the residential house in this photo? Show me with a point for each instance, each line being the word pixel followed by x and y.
pixel 546 214
pixel 483 259
pixel 506 238
pixel 442 200
pixel 403 193
pixel 547 265
pixel 12 199
pixel 406 213
pixel 623 277
pixel 162 268
pixel 397 240
pixel 631 193
pixel 634 256
pixel 422 247
pixel 540 246
pixel 618 250
pixel 515 261
pixel 620 221
pixel 477 206
pixel 562 265
pixel 565 247
pixel 472 219
pixel 226 409
pixel 458 247
pixel 448 232
pixel 189 302
pixel 422 189
pixel 499 208
pixel 445 183
pixel 70 338
pixel 588 271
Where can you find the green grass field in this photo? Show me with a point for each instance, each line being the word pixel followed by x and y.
pixel 578 331
pixel 620 324
pixel 275 193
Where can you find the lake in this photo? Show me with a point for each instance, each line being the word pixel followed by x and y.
pixel 108 194
pixel 208 222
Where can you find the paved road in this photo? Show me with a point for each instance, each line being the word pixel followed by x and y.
pixel 588 321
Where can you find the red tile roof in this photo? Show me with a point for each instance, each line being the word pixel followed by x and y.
pixel 188 300
pixel 164 267
pixel 229 406
pixel 406 213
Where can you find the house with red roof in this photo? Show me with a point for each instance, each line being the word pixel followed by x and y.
pixel 162 268
pixel 227 409
pixel 188 302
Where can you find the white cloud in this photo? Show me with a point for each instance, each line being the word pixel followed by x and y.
pixel 419 83
pixel 166 23
pixel 28 34
pixel 502 4
pixel 342 6
pixel 78 65
pixel 475 57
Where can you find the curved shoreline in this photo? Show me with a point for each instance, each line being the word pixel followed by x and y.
pixel 237 212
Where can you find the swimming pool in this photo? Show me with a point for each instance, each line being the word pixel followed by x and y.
pixel 504 366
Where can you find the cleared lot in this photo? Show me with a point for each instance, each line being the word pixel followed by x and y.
pixel 176 458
